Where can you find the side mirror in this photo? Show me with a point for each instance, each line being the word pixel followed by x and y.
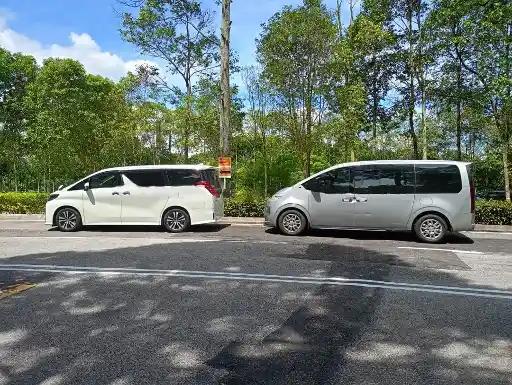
pixel 60 187
pixel 86 186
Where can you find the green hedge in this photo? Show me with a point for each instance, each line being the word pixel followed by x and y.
pixel 487 212
pixel 23 203
pixel 494 213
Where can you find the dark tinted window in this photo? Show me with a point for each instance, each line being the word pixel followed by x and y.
pixel 105 180
pixel 438 179
pixel 182 177
pixel 331 182
pixel 396 179
pixel 366 180
pixel 384 179
pixel 211 176
pixel 78 186
pixel 147 178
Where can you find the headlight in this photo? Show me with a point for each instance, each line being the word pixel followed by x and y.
pixel 52 197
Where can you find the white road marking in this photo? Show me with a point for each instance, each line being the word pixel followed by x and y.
pixel 440 249
pixel 96 239
pixel 338 281
pixel 486 232
pixel 21 220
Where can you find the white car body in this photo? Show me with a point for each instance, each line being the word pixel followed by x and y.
pixel 131 204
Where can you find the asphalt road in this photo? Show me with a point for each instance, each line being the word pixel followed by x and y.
pixel 241 305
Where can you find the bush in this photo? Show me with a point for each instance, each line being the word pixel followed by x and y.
pixel 494 213
pixel 23 203
pixel 487 212
pixel 242 208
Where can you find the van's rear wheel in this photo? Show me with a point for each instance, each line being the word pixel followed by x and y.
pixel 431 228
pixel 292 222
pixel 176 220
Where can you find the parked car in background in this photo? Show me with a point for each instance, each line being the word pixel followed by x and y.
pixel 430 198
pixel 494 195
pixel 174 196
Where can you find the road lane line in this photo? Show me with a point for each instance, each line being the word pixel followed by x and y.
pixel 171 239
pixel 440 249
pixel 337 281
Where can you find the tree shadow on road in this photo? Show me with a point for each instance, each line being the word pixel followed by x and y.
pixel 108 329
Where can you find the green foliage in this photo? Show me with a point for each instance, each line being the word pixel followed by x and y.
pixel 22 203
pixel 243 208
pixel 494 213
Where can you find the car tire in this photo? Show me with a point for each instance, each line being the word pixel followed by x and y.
pixel 68 220
pixel 176 220
pixel 431 228
pixel 292 222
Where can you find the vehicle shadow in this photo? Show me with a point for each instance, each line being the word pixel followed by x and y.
pixel 376 235
pixel 209 228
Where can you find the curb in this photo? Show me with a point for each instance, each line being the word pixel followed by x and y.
pixel 246 221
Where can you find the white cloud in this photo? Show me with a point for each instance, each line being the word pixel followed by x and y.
pixel 82 48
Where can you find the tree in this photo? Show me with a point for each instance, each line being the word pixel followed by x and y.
pixel 294 50
pixel 225 100
pixel 180 33
pixel 490 41
pixel 16 72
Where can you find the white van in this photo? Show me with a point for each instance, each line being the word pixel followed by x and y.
pixel 430 198
pixel 174 196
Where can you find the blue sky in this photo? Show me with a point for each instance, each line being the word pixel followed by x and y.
pixel 88 31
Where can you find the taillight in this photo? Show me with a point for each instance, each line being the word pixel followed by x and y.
pixel 473 197
pixel 209 187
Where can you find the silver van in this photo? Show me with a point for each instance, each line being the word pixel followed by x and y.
pixel 430 198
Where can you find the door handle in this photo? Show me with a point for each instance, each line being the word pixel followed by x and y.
pixel 346 200
pixel 115 193
pixel 126 193
pixel 362 199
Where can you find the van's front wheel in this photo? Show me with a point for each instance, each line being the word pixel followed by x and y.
pixel 292 222
pixel 431 228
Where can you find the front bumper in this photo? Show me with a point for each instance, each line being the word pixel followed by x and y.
pixel 271 214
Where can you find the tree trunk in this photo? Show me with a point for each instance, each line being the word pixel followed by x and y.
pixel 225 100
pixel 188 123
pixel 505 171
pixel 265 164
pixel 459 111
pixel 423 122
pixel 412 98
pixel 374 109
pixel 338 17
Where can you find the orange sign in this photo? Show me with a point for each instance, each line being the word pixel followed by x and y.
pixel 225 167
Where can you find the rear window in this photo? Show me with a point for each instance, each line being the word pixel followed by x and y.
pixel 437 179
pixel 183 177
pixel 147 178
pixel 211 176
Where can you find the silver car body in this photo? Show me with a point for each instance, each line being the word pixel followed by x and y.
pixel 375 211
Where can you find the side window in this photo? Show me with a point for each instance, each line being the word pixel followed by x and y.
pixel 366 180
pixel 147 178
pixel 105 180
pixel 331 182
pixel 78 186
pixel 183 177
pixel 438 179
pixel 342 181
pixel 396 179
